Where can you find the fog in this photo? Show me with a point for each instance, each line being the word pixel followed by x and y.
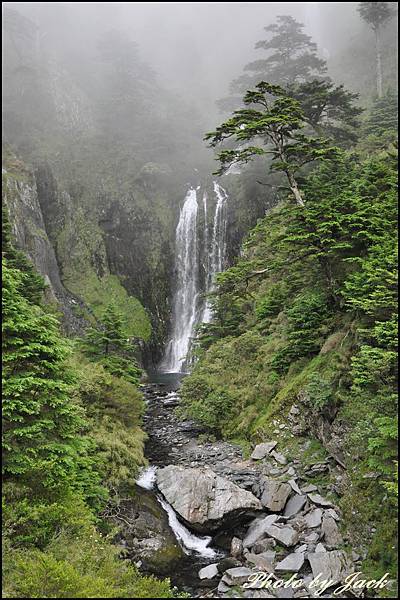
pixel 194 48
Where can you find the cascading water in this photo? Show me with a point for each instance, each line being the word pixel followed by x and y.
pixel 218 246
pixel 189 541
pixel 188 310
pixel 185 307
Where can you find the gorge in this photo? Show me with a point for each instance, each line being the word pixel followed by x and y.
pixel 199 299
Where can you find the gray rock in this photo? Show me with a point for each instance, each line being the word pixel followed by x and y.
pixel 236 576
pixel 223 587
pixel 202 498
pixel 261 450
pixel 319 500
pixel 292 563
pixel 310 487
pixel 302 548
pixel 320 548
pixel 294 505
pixel 279 458
pixel 263 545
pixel 284 534
pixel 257 530
pixel 236 547
pixel 330 565
pixel 275 494
pixel 332 513
pixel 209 572
pixel 330 531
pixel 312 537
pixel 313 518
pixel 263 561
pixel 294 487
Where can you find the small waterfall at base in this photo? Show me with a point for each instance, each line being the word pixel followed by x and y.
pixel 185 309
pixel 188 309
pixel 188 541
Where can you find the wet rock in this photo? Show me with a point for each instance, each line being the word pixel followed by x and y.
pixel 261 450
pixel 330 565
pixel 283 533
pixel 274 494
pixel 257 530
pixel 209 572
pixel 294 505
pixel 292 563
pixel 330 531
pixel 203 499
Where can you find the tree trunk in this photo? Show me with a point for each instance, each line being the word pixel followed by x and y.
pixel 295 189
pixel 378 63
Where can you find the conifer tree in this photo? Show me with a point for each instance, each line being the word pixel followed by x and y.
pixel 377 14
pixel 40 421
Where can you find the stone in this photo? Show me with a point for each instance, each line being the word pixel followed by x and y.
pixel 209 572
pixel 319 500
pixel 257 594
pixel 236 576
pixel 228 563
pixel 330 531
pixel 261 450
pixel 274 494
pixel 223 587
pixel 291 563
pixel 236 547
pixel 310 487
pixel 283 533
pixel 263 545
pixel 279 458
pixel 263 561
pixel 311 537
pixel 203 499
pixel 295 487
pixel 294 505
pixel 320 548
pixel 302 548
pixel 313 518
pixel 257 530
pixel 332 513
pixel 329 565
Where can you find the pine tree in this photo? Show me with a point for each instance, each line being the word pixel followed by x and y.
pixel 292 57
pixel 40 421
pixel 108 343
pixel 276 125
pixel 377 14
pixel 383 116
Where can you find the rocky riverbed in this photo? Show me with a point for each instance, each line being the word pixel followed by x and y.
pixel 212 518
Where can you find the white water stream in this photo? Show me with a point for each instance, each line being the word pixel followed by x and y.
pixel 188 308
pixel 187 540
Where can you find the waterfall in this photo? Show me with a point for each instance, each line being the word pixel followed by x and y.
pixel 188 541
pixel 188 310
pixel 185 304
pixel 218 245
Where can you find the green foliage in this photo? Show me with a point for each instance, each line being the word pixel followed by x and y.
pixel 278 121
pixel 108 344
pixel 41 425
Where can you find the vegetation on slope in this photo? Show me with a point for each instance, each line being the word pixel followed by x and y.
pixel 308 316
pixel 72 441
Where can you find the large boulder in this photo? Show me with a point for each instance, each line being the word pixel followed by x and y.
pixel 205 501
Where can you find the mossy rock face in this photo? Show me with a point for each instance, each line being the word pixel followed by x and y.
pixel 151 539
